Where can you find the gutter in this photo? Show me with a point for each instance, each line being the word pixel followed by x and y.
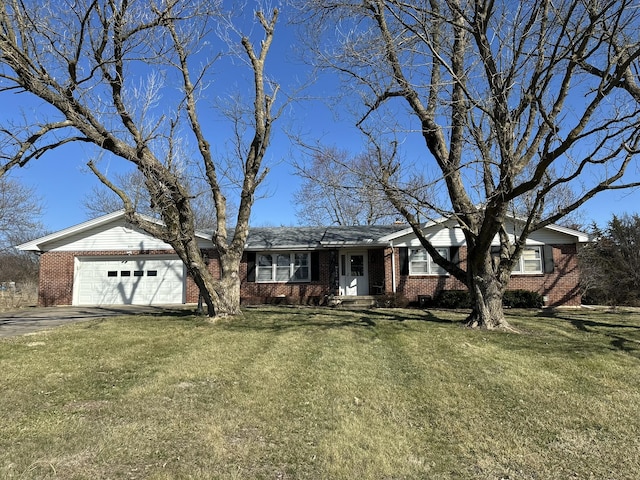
pixel 393 267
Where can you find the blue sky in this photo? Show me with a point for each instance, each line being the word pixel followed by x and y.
pixel 61 179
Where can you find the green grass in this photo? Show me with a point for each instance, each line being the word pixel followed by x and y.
pixel 287 393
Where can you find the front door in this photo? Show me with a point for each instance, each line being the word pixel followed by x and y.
pixel 354 278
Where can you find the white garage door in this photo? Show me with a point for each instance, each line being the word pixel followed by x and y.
pixel 128 281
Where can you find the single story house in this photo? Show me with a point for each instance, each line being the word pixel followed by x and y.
pixel 108 261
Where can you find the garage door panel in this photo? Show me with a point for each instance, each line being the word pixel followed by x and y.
pixel 127 280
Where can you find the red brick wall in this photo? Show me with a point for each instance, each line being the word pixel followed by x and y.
pixel 214 267
pixel 293 293
pixel 55 286
pixel 561 286
pixel 410 287
pixel 377 269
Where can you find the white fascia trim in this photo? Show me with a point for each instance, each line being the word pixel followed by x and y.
pixel 34 245
pixel 282 248
pixel 581 237
pixel 408 231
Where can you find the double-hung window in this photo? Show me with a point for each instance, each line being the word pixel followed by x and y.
pixel 530 261
pixel 283 267
pixel 421 263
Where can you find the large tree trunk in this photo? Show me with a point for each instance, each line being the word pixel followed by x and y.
pixel 221 297
pixel 227 302
pixel 486 293
pixel 487 288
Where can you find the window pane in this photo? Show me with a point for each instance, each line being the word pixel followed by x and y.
pixel 532 260
pixel 301 259
pixel 435 268
pixel 283 268
pixel 301 273
pixel 112 273
pixel 418 261
pixel 283 260
pixel 125 273
pixel 264 260
pixel 419 268
pixel 264 269
pixel 301 266
pixel 357 265
pixel 418 254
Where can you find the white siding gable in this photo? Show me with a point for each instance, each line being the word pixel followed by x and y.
pixel 442 235
pixel 447 233
pixel 115 235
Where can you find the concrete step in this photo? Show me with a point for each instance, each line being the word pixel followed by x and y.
pixel 352 301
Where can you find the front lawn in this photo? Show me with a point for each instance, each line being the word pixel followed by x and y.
pixel 288 393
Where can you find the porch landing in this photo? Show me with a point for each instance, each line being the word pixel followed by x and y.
pixel 354 301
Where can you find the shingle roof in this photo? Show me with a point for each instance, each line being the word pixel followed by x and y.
pixel 317 237
pixel 358 235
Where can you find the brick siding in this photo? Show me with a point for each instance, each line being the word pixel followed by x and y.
pixel 314 292
pixel 560 287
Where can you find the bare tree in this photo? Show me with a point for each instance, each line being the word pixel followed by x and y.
pixel 336 190
pixel 101 200
pixel 128 78
pixel 20 220
pixel 20 213
pixel 513 101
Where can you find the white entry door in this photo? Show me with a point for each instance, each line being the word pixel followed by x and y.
pixel 354 275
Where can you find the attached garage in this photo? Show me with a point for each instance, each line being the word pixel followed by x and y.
pixel 107 261
pixel 130 280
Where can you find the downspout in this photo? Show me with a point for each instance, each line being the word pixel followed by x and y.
pixel 393 267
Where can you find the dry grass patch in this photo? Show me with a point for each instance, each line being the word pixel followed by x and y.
pixel 317 393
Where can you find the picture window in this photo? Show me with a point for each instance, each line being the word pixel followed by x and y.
pixel 283 267
pixel 421 263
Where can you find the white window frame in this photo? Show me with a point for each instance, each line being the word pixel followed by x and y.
pixel 419 256
pixel 520 267
pixel 276 269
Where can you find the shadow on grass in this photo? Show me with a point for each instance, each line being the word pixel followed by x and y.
pixel 608 324
pixel 588 324
pixel 287 318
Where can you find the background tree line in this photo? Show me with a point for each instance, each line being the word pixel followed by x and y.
pixel 610 265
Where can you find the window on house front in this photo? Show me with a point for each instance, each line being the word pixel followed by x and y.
pixel 421 263
pixel 283 267
pixel 530 261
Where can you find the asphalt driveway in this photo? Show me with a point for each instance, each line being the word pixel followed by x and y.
pixel 30 320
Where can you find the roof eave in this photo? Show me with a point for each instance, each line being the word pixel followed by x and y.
pixel 36 244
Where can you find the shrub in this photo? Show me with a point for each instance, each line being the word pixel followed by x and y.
pixel 392 300
pixel 522 299
pixel 512 299
pixel 452 299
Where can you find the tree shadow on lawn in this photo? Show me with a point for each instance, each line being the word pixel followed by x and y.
pixel 287 318
pixel 620 335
